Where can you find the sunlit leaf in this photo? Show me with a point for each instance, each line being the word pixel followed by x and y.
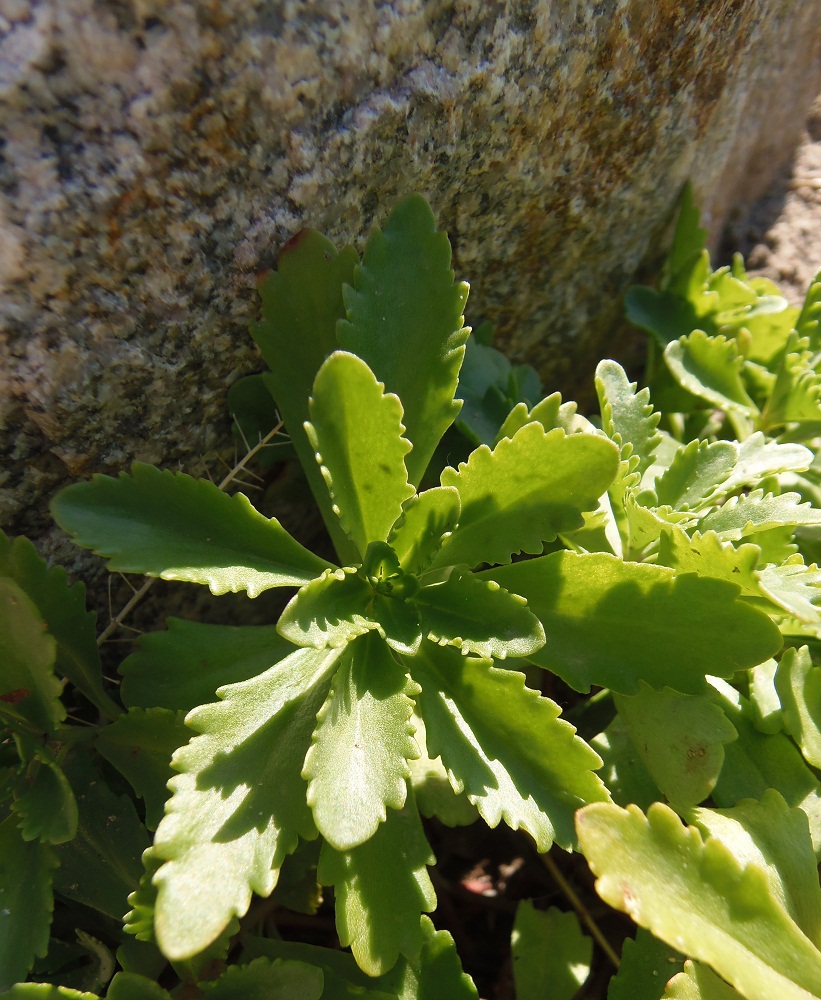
pixel 378 903
pixel 169 525
pixel 755 512
pixel 356 431
pixel 627 416
pixel 697 897
pixel 504 745
pixel 435 975
pixel 523 493
pixel 404 319
pixel 478 616
pixel 614 623
pixel 710 368
pixel 238 805
pixel 330 611
pixel 357 767
pixel 696 471
pixel 699 982
pixel 426 520
pixel 798 683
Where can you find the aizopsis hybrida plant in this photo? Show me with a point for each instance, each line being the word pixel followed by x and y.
pixel 403 647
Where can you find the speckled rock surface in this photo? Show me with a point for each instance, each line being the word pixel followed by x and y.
pixel 156 153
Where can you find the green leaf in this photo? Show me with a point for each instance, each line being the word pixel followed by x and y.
pixel 478 617
pixel 760 458
pixel 504 745
pixel 793 587
pixel 646 966
pixel 680 738
pixel 689 239
pixel 45 991
pixel 63 608
pixel 808 323
pixel 301 303
pixel 623 771
pixel 238 805
pixel 47 809
pixel 746 515
pixel 426 520
pixel 523 493
pixel 710 368
pixel 405 321
pixel 25 916
pixel 357 767
pixel 432 789
pixel 331 611
pixel 263 979
pixel 707 555
pixel 698 898
pixel 699 982
pixel 378 901
pixel 551 956
pixel 140 745
pixel 131 986
pixel 27 682
pixel 356 432
pixel 169 525
pixel 614 624
pixel 777 839
pixel 663 314
pixel 182 667
pixel 695 473
pixel 765 705
pixel 798 683
pixel 627 416
pixel 756 762
pixel 101 865
pixel 435 975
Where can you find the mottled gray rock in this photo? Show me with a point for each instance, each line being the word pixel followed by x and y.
pixel 156 153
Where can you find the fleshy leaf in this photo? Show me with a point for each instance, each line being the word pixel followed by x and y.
pixel 435 975
pixel 505 746
pixel 523 493
pixel 777 839
pixel 478 616
pixel 379 901
pixel 551 956
pixel 808 323
pixel 357 767
pixel 646 966
pixel 627 416
pixel 63 608
pixel 405 321
pixel 25 916
pixel 238 805
pixel 793 587
pixel 623 771
pixel 331 611
pixel 169 525
pixel 356 431
pixel 140 745
pixel 698 898
pixel 46 991
pixel 183 666
pixel 759 458
pixel 426 519
pixel 432 788
pixel 47 809
pixel 251 403
pixel 765 705
pixel 707 555
pixel 756 762
pixel 798 683
pixel 614 623
pixel 131 986
pixel 27 652
pixel 695 473
pixel 689 239
pixel 101 865
pixel 710 368
pixel 699 982
pixel 263 979
pixel 680 739
pixel 301 304
pixel 742 516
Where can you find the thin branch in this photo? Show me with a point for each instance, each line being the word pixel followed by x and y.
pixel 575 901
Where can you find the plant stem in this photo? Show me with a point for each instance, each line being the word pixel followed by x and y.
pixel 577 904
